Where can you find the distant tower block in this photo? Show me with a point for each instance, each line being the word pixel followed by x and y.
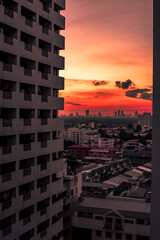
pixel 87 113
pixel 136 113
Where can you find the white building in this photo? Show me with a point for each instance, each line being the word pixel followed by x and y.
pixel 75 135
pixel 31 166
pixel 103 142
pixel 81 136
pixel 133 146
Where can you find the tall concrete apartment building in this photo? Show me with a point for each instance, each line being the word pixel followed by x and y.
pixel 155 209
pixel 31 166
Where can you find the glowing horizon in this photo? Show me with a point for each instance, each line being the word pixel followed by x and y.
pixel 108 43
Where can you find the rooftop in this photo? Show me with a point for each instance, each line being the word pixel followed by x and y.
pixel 79 147
pixel 117 203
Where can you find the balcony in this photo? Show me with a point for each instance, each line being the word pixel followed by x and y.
pixel 28 90
pixel 26 190
pixel 7 67
pixel 28 66
pixel 6 224
pixel 47 5
pixel 26 166
pixel 58 28
pixel 45 46
pixel 6 198
pixel 9 33
pixel 108 225
pixel 7 123
pixel 29 41
pixel 7 95
pixel 46 25
pixel 44 115
pixel 27 115
pixel 57 217
pixel 6 171
pixel 7 87
pixel 42 228
pixel 6 142
pixel 43 138
pixel 45 70
pixel 7 114
pixel 28 71
pixel 8 60
pixel 27 235
pixel 57 8
pixel 118 227
pixel 55 71
pixel 42 206
pixel 26 140
pixel 44 92
pixel 42 183
pixel 10 7
pixel 44 98
pixel 25 214
pixel 60 3
pixel 30 16
pixel 42 161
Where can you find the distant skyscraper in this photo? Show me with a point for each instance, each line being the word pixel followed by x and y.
pixel 99 114
pixel 31 166
pixel 136 113
pixel 122 114
pixel 115 114
pixel 77 114
pixel 87 113
pixel 119 113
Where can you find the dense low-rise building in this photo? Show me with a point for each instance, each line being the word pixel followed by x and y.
pixel 79 152
pixel 103 142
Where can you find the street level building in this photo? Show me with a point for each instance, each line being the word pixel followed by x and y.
pixel 111 218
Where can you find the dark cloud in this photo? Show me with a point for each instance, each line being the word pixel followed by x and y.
pixel 99 83
pixel 100 92
pixel 143 93
pixel 124 85
pixel 118 84
pixel 106 94
pixel 75 104
pixel 147 96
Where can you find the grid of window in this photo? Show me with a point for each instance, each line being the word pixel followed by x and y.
pixel 29 88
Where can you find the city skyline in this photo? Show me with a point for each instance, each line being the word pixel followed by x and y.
pixel 109 113
pixel 103 73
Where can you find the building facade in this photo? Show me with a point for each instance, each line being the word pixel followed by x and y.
pixel 31 166
pixel 111 218
pixel 79 152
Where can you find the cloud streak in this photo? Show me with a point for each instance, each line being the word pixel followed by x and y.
pixel 124 85
pixel 75 104
pixel 100 83
pixel 143 93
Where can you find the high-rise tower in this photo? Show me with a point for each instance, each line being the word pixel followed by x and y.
pixel 87 113
pixel 31 167
pixel 155 198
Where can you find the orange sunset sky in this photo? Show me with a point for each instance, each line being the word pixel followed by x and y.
pixel 108 56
